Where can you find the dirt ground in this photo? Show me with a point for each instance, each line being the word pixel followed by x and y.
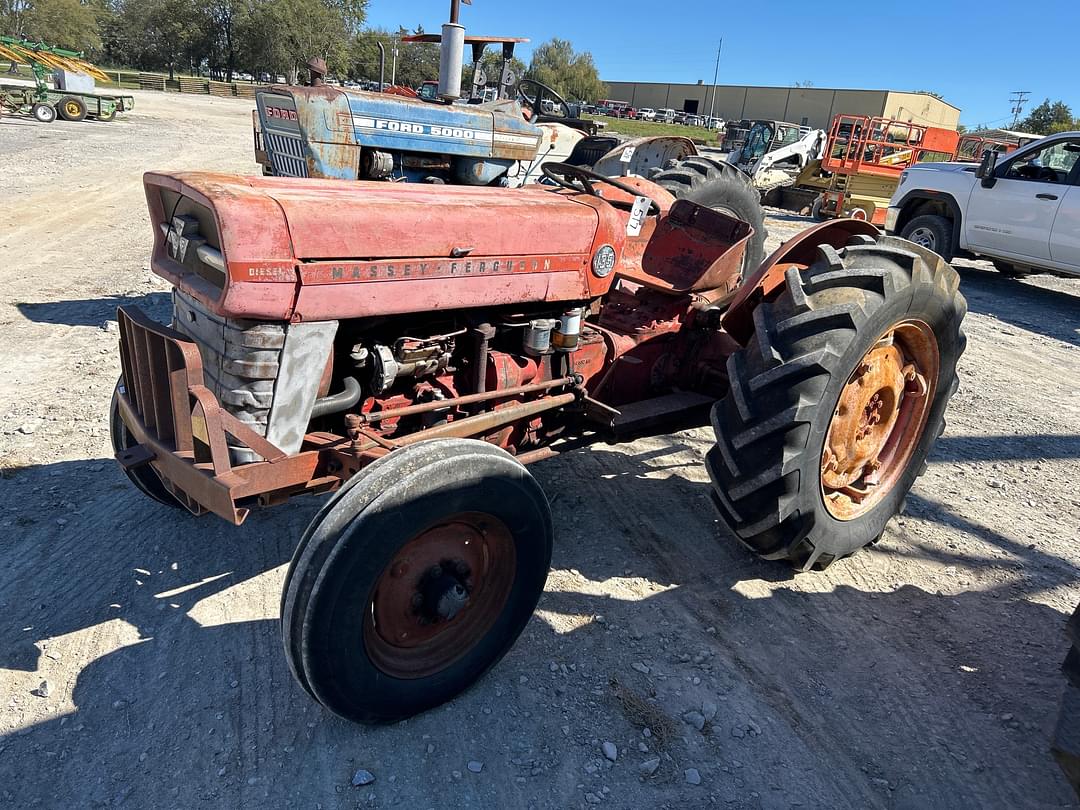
pixel 921 673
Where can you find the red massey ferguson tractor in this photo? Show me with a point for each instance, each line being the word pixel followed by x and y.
pixel 411 348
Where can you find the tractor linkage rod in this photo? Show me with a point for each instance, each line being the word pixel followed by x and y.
pixel 469 399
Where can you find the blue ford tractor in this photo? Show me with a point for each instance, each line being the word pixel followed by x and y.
pixel 437 136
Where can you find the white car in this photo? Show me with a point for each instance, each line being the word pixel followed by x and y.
pixel 646 114
pixel 667 115
pixel 1020 210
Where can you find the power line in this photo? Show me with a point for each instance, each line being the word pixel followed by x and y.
pixel 1017 100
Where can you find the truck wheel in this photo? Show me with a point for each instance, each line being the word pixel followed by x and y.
pixel 44 113
pixel 415 579
pixel 71 108
pixel 144 478
pixel 836 400
pixel 1010 270
pixel 720 186
pixel 1066 740
pixel 931 232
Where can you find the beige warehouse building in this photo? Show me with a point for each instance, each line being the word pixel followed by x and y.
pixel 809 106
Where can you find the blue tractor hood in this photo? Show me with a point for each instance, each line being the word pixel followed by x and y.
pixel 325 131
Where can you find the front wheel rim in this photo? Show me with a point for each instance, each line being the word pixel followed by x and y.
pixel 440 595
pixel 923 237
pixel 879 419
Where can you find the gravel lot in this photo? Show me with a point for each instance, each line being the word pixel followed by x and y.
pixel 922 673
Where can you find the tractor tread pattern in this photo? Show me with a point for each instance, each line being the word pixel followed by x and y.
pixel 778 380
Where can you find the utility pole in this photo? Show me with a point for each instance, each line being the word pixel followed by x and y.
pixel 1017 100
pixel 716 72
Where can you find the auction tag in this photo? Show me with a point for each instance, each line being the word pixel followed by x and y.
pixel 625 158
pixel 637 215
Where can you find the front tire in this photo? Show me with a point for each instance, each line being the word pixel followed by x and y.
pixel 144 478
pixel 931 232
pixel 415 579
pixel 836 400
pixel 722 187
pixel 43 113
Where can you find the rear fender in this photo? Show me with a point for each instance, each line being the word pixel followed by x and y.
pixel 799 252
pixel 647 153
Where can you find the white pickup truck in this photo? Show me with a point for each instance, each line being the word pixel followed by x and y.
pixel 1020 210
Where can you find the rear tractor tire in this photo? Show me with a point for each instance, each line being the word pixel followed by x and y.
pixel 836 400
pixel 722 187
pixel 1066 740
pixel 71 108
pixel 144 478
pixel 415 579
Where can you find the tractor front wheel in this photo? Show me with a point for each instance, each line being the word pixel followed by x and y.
pixel 415 579
pixel 71 108
pixel 836 400
pixel 722 187
pixel 144 478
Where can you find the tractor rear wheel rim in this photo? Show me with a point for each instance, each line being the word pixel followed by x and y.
pixel 439 595
pixel 879 419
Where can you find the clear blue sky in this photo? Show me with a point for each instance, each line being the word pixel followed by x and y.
pixel 968 52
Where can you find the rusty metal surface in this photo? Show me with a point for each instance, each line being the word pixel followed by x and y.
pixel 468 399
pixel 879 419
pixel 178 421
pixel 439 595
pixel 800 251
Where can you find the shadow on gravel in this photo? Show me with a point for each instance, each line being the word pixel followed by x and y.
pixel 1029 447
pixel 95 311
pixel 1052 313
pixel 867 699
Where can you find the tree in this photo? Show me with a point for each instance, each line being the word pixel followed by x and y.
pixel 1049 118
pixel 572 75
pixel 62 24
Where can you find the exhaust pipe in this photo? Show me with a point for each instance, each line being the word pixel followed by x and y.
pixel 452 54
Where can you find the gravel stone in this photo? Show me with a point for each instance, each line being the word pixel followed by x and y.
pixel 649 766
pixel 610 751
pixel 475 765
pixel 692 776
pixel 362 777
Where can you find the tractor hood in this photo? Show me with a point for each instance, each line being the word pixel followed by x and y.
pixel 282 248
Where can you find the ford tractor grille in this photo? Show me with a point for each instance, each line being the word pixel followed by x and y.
pixel 286 154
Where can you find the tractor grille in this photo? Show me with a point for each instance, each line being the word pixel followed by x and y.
pixel 286 154
pixel 240 361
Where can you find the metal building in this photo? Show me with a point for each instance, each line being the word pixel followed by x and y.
pixel 811 106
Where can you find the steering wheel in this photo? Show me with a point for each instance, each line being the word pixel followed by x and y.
pixel 577 178
pixel 535 101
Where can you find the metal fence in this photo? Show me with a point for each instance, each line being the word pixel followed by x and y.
pixel 181 84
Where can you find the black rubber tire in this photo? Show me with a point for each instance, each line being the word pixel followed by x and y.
pixel 717 184
pixel 815 209
pixel 106 116
pixel 43 113
pixel 354 537
pixel 77 111
pixel 1066 740
pixel 940 231
pixel 144 478
pixel 1010 270
pixel 785 383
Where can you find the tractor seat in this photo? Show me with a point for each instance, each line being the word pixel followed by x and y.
pixel 693 249
pixel 589 150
